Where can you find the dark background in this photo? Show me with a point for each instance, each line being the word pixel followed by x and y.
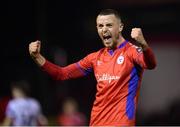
pixel 70 26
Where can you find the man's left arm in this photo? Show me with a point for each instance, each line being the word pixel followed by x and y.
pixel 148 57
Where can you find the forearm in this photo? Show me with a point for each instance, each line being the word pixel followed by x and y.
pixel 39 60
pixel 62 73
pixel 144 45
pixel 149 58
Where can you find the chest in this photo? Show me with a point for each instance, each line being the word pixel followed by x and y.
pixel 116 64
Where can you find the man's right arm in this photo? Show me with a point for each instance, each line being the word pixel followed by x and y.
pixel 56 72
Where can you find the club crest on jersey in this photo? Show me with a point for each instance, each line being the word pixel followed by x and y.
pixel 120 59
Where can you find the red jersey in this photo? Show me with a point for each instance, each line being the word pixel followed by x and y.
pixel 118 73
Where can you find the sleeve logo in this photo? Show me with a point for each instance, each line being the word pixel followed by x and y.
pixel 139 50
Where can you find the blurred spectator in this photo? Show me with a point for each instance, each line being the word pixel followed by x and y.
pixel 70 115
pixel 23 110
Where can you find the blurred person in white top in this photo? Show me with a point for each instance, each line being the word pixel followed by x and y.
pixel 23 110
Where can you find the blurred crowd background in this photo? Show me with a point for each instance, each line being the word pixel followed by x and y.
pixel 68 33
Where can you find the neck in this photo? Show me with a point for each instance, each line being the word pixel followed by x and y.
pixel 120 41
pixel 20 96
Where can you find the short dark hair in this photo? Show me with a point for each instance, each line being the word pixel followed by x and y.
pixel 109 12
pixel 21 85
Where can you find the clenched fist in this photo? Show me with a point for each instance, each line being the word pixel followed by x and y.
pixel 34 48
pixel 137 35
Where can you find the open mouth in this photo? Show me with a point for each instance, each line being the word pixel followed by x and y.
pixel 106 37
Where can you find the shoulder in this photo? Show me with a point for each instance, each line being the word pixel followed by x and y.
pixel 34 104
pixel 33 101
pixel 12 104
pixel 132 47
pixel 95 54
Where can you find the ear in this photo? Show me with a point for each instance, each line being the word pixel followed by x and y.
pixel 121 26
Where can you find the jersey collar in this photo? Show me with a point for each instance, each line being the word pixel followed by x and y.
pixel 120 46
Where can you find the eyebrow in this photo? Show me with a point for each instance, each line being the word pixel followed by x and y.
pixel 107 24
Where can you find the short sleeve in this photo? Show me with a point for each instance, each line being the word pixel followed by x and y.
pixel 10 113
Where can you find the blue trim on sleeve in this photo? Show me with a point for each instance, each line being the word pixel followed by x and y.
pixel 85 72
pixel 132 89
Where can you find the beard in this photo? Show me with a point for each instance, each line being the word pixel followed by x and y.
pixel 110 42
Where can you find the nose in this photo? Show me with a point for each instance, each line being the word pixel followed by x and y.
pixel 104 29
